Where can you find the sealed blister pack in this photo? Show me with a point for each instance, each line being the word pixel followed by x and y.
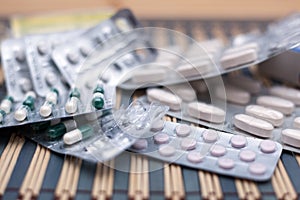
pixel 101 135
pixel 215 151
pixel 15 66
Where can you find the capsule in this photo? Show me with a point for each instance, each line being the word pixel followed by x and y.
pixel 44 125
pixel 6 104
pixel 27 106
pixel 98 97
pixel 61 128
pixel 51 101
pixel 2 115
pixel 78 134
pixel 72 104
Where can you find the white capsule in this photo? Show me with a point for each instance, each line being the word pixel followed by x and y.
pixel 72 137
pixel 296 123
pixel 164 97
pixel 45 110
pixel 288 93
pixel 233 59
pixel 52 97
pixel 25 84
pixel 233 94
pixel 276 103
pixel 98 94
pixel 291 137
pixel 6 105
pixel 206 112
pixel 274 117
pixel 20 114
pixel 72 105
pixel 253 125
pixel 31 94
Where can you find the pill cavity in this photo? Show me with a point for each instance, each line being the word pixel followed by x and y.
pixel 161 138
pixel 257 168
pixel 140 144
pixel 238 141
pixel 268 146
pixel 166 150
pixel 183 130
pixel 247 155
pixel 226 163
pixel 284 106
pixel 210 136
pixel 188 143
pixel 164 97
pixel 233 94
pixel 206 112
pixel 195 157
pixel 217 150
pixel 288 93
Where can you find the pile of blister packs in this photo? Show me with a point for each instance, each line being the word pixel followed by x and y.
pixel 62 87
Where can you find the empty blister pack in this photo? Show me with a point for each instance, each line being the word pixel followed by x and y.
pixel 101 135
pixel 211 150
pixel 16 70
pixel 70 56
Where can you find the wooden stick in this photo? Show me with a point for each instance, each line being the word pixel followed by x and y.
pixel 278 184
pixel 118 97
pixel 217 186
pixel 6 150
pixel 145 178
pixel 174 181
pixel 76 175
pixel 275 185
pixel 139 169
pixel 167 181
pixel 287 182
pixel 132 177
pixel 96 180
pixel 110 181
pixel 69 177
pixel 218 32
pixel 298 159
pixel 255 190
pixel 204 189
pixel 209 183
pixel 62 179
pixel 240 189
pixel 37 169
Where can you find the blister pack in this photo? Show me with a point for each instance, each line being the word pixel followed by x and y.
pixel 101 135
pixel 70 56
pixel 16 70
pixel 207 149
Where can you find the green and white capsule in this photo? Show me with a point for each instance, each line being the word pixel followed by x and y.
pixel 51 101
pixel 27 106
pixel 72 104
pixel 6 104
pixel 61 128
pixel 78 134
pixel 98 97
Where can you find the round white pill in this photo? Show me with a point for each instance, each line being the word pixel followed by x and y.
pixel 140 144
pixel 267 146
pixel 20 115
pixel 157 125
pixel 45 110
pixel 183 130
pixel 257 168
pixel 195 157
pixel 188 143
pixel 166 150
pixel 217 150
pixel 226 163
pixel 210 135
pixel 25 84
pixel 73 57
pixel 296 122
pixel 161 138
pixel 247 155
pixel 71 105
pixel 238 141
pixel 51 78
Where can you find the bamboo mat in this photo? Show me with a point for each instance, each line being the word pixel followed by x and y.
pixel 29 171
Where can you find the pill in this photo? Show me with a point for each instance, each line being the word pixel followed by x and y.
pixel 164 97
pixel 78 134
pixel 184 91
pixel 98 97
pixel 166 150
pixel 46 110
pixel 42 47
pixel 19 54
pixel 52 96
pixel 226 163
pixel 140 144
pixel 85 50
pixel 288 93
pixel 238 48
pixel 152 75
pixel 217 150
pixel 194 69
pixel 157 125
pixel 291 137
pixel 20 114
pixel 6 104
pixel 25 84
pixel 276 103
pixel 296 123
pixel 2 115
pixel 195 157
pixel 73 57
pixel 210 135
pixel 257 168
pixel 183 130
pixel 61 128
pixel 238 141
pixel 246 83
pixel 253 125
pixel 247 155
pixel 268 146
pixel 238 58
pixel 233 94
pixel 276 118
pixel 71 105
pixel 206 112
pixel 188 143
pixel 51 78
pixel 161 138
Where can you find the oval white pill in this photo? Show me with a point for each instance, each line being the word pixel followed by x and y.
pixel 164 97
pixel 276 103
pixel 183 130
pixel 140 144
pixel 149 75
pixel 217 150
pixel 253 125
pixel 210 135
pixel 161 138
pixel 246 83
pixel 291 137
pixel 157 125
pixel 206 112
pixel 184 91
pixel 257 168
pixel 288 93
pixel 166 150
pixel 72 137
pixel 195 157
pixel 238 141
pixel 273 116
pixel 45 110
pixel 188 143
pixel 20 115
pixel 268 146
pixel 233 94
pixel 234 59
pixel 247 155
pixel 195 69
pixel 72 105
pixel 296 123
pixel 226 163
